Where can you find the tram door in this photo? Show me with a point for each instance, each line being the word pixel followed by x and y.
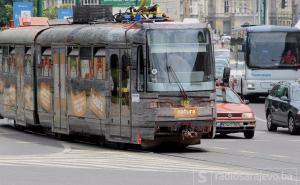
pixel 60 123
pixel 120 91
pixel 19 54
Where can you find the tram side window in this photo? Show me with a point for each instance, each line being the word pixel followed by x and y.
pixel 5 60
pixel 28 62
pixel 85 67
pixel 140 69
pixel 73 63
pixel 46 63
pixel 100 64
pixel 1 58
pixel 12 64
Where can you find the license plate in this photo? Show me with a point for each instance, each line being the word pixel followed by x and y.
pixel 187 112
pixel 230 124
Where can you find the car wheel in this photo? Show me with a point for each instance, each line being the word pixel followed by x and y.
pixel 270 125
pixel 249 134
pixel 291 125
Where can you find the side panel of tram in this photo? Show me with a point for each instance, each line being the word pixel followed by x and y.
pixel 17 83
pixel 98 89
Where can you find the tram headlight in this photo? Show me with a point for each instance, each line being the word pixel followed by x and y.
pixel 153 105
pixel 248 115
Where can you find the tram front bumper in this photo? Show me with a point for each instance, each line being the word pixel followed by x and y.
pixel 178 127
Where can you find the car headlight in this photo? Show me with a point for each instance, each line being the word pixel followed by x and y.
pixel 250 85
pixel 248 115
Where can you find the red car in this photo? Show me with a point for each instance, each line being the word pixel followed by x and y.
pixel 233 114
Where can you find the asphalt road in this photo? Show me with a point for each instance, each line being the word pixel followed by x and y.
pixel 270 158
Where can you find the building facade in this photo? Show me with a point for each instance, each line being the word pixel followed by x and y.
pixel 224 15
pixel 281 12
pixel 180 9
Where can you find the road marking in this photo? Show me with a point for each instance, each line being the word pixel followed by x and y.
pixel 24 142
pixel 294 140
pixel 248 152
pixel 260 119
pixel 93 159
pixel 260 140
pixel 225 140
pixel 220 148
pixel 279 156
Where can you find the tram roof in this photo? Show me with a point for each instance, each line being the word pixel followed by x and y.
pixel 21 35
pixel 269 28
pixel 87 34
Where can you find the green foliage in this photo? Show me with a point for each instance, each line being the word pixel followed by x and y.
pixel 50 12
pixel 9 11
pixel 3 18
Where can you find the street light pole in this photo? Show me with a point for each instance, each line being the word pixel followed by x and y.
pixel 254 11
pixel 39 8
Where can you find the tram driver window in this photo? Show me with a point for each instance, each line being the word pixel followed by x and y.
pixel 85 63
pixel 46 63
pixel 28 61
pixel 140 69
pixel 100 64
pixel 73 63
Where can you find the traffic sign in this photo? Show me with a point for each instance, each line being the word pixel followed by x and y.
pixel 21 9
pixel 64 13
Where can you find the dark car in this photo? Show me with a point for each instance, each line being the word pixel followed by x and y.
pixel 282 107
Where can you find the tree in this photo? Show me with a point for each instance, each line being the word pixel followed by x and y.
pixel 3 16
pixel 9 11
pixel 50 12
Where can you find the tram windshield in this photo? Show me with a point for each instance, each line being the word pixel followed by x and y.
pixel 274 50
pixel 186 53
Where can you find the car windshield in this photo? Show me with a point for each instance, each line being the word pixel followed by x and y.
pixel 295 95
pixel 226 95
pixel 274 50
pixel 179 57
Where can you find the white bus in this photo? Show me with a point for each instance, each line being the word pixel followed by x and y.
pixel 270 53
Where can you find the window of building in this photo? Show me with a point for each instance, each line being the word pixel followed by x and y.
pixel 28 61
pixel 73 58
pixel 46 63
pixel 85 63
pixel 226 6
pixel 100 64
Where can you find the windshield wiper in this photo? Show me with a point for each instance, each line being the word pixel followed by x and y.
pixel 177 81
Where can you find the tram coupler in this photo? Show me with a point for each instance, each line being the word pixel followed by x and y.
pixel 189 134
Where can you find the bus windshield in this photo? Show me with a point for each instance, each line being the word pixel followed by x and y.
pixel 274 50
pixel 179 57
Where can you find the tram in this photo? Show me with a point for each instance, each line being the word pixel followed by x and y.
pixel 144 84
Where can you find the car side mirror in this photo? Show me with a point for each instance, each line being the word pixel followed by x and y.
pixel 246 102
pixel 284 98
